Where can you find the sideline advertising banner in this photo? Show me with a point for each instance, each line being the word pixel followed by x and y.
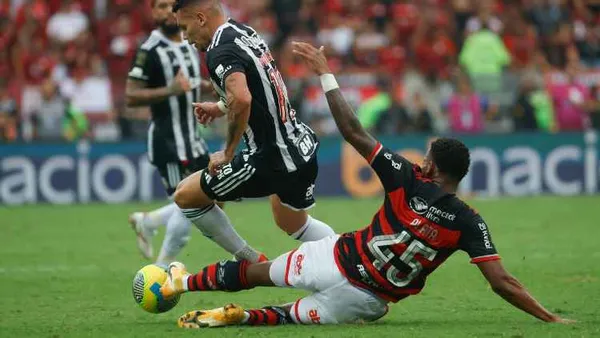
pixel 502 165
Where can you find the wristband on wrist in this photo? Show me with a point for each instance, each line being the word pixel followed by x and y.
pixel 329 83
pixel 222 107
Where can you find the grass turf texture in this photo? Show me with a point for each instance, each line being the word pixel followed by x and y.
pixel 66 271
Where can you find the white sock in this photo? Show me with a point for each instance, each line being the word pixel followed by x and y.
pixel 185 282
pixel 176 237
pixel 215 224
pixel 313 230
pixel 160 216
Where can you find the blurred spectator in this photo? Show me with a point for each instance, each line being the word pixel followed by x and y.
pixel 484 53
pixel 586 31
pixel 8 114
pixel 422 121
pixel 595 108
pixel 426 92
pixel 485 18
pixel 533 109
pixel 337 34
pixel 547 15
pixel 51 116
pixel 467 110
pixel 520 39
pixel 67 23
pixel 89 89
pixel 571 99
pixel 385 113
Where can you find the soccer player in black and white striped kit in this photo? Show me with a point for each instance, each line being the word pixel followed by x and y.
pixel 280 159
pixel 165 75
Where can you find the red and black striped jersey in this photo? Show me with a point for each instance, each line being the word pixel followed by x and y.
pixel 418 227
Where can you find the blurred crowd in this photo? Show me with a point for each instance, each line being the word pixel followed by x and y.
pixel 443 66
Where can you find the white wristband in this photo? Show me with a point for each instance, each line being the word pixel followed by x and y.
pixel 329 83
pixel 222 107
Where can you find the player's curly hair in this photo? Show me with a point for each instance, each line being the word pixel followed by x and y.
pixel 451 157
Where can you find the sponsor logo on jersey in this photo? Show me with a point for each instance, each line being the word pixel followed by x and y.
pixel 418 205
pixel 365 278
pixel 486 236
pixel 313 314
pixel 434 214
pixel 298 264
pixel 395 165
pixel 220 71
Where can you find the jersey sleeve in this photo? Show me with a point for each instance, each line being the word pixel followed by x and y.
pixel 145 66
pixel 225 60
pixel 393 170
pixel 476 240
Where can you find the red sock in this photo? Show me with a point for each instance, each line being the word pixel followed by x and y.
pixel 232 273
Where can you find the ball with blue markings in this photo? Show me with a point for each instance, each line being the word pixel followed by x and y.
pixel 146 290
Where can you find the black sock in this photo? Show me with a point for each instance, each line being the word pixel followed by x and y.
pixel 222 276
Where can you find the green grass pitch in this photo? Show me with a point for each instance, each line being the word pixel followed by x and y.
pixel 66 271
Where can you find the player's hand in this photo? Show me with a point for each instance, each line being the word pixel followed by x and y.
pixel 181 84
pixel 206 112
pixel 217 161
pixel 314 58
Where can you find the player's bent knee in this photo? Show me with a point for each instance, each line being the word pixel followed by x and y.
pixel 187 196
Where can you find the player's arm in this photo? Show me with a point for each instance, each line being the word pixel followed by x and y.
pixel 138 94
pixel 342 112
pixel 239 103
pixel 476 240
pixel 144 69
pixel 509 288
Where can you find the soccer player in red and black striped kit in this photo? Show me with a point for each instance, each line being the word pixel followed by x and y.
pixel 354 276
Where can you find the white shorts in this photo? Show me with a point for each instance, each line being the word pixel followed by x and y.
pixel 312 267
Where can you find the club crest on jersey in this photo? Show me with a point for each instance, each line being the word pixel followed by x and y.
pixel 418 205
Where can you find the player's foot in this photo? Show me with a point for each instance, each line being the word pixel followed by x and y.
pixel 176 279
pixel 144 235
pixel 224 316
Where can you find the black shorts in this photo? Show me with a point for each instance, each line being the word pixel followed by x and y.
pixel 174 172
pixel 242 178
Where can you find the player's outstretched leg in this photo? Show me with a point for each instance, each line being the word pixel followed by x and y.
pixel 176 237
pixel 235 276
pixel 235 315
pixel 145 225
pixel 202 211
pixel 232 276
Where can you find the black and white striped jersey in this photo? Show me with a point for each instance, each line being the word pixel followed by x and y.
pixel 173 135
pixel 274 133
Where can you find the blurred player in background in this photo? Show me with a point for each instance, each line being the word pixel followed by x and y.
pixel 354 276
pixel 280 159
pixel 165 75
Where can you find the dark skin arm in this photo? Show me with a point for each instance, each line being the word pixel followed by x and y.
pixel 137 95
pixel 512 291
pixel 342 112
